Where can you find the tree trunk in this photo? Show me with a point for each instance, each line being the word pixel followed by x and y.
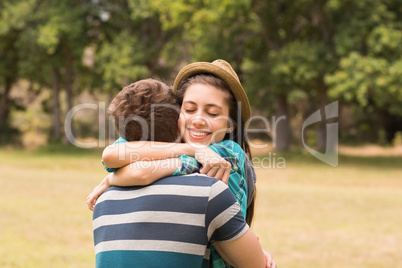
pixel 5 103
pixel 391 124
pixel 56 132
pixel 282 133
pixel 69 81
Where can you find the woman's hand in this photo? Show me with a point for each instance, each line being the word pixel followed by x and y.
pixel 213 165
pixel 270 263
pixel 98 190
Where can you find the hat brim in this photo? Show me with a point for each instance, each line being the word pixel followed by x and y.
pixel 209 68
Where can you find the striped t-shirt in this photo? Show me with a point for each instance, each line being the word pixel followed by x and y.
pixel 169 223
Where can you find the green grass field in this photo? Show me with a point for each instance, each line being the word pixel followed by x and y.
pixel 308 214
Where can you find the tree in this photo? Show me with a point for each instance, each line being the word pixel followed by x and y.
pixel 303 42
pixel 12 22
pixel 49 45
pixel 291 53
pixel 8 73
pixel 369 72
pixel 137 38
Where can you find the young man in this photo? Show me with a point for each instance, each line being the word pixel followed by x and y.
pixel 171 223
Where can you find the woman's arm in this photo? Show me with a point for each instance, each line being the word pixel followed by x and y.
pixel 135 174
pixel 144 172
pixel 122 154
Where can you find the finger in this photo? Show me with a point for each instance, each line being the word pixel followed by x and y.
pixel 269 259
pixel 205 169
pixel 212 172
pixel 93 197
pixel 219 174
pixel 225 163
pixel 226 175
pixel 93 191
pixel 269 262
pixel 90 195
pixel 90 203
pixel 273 264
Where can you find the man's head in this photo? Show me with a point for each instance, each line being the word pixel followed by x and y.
pixel 146 110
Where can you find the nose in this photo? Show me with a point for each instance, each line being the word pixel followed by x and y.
pixel 198 121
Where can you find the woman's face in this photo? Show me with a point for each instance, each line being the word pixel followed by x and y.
pixel 204 116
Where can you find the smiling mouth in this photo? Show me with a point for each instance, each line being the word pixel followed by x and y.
pixel 198 134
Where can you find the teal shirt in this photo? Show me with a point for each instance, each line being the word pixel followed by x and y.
pixel 232 153
pixel 119 140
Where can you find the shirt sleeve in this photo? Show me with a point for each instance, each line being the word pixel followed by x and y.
pixel 188 166
pixel 110 170
pixel 223 216
pixel 231 152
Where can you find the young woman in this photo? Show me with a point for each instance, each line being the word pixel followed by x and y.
pixel 214 109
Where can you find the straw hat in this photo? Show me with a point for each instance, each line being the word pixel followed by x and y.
pixel 224 71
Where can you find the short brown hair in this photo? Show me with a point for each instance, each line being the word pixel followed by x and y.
pixel 146 110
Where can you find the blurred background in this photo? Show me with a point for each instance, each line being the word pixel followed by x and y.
pixel 293 58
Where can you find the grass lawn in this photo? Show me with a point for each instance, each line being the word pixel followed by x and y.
pixel 313 215
pixel 308 214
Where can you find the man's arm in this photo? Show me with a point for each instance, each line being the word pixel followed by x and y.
pixel 242 252
pixel 228 230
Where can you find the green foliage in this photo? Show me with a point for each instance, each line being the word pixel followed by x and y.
pixel 14 14
pixel 385 42
pixel 122 61
pixel 60 25
pixel 354 21
pixel 219 30
pixel 299 65
pixel 306 51
pixel 369 81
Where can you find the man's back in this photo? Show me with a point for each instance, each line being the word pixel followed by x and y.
pixel 166 224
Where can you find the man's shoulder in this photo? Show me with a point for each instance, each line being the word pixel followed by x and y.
pixel 189 180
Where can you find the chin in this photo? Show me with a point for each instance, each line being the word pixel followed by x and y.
pixel 198 142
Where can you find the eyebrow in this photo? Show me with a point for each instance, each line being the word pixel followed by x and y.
pixel 209 105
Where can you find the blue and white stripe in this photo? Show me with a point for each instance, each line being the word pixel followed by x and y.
pixel 175 215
